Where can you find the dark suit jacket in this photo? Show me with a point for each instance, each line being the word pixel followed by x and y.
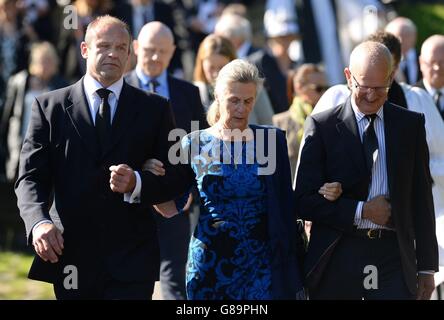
pixel 12 119
pixel 60 154
pixel 185 101
pixel 333 152
pixel 286 249
pixel 275 81
pixel 396 95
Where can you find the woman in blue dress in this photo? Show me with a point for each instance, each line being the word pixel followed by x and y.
pixel 245 244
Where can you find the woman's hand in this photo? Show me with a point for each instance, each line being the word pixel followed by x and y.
pixel 154 166
pixel 331 191
pixel 167 209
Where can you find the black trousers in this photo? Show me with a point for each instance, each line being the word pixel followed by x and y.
pixel 174 238
pixel 362 268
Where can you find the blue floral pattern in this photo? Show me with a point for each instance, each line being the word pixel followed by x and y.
pixel 229 254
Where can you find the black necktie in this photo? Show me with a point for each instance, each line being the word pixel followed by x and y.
pixel 153 84
pixel 436 98
pixel 103 119
pixel 370 141
pixel 405 69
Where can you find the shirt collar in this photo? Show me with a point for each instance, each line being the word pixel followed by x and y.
pixel 359 115
pixel 243 49
pixel 91 85
pixel 430 89
pixel 145 79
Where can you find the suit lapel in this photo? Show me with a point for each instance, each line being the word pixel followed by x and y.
pixel 132 79
pixel 80 116
pixel 175 95
pixel 391 141
pixel 348 129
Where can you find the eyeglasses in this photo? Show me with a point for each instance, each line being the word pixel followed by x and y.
pixel 365 89
pixel 317 87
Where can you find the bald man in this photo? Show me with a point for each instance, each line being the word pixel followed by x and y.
pixel 432 67
pixel 405 30
pixel 154 48
pixel 377 241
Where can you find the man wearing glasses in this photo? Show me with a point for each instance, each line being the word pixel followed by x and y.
pixel 432 68
pixel 377 241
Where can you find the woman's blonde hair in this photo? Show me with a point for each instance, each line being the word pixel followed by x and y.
pixel 212 44
pixel 40 49
pixel 237 70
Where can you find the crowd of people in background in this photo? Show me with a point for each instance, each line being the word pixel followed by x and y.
pixel 179 51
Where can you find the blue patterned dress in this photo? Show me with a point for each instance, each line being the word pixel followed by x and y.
pixel 229 254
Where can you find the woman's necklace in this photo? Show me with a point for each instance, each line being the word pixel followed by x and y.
pixel 237 157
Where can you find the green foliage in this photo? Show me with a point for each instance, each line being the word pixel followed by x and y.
pixel 14 284
pixel 429 19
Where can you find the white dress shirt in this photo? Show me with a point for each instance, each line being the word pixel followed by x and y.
pixel 162 80
pixel 379 181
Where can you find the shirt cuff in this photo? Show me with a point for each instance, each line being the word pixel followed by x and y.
pixel 426 272
pixel 41 222
pixel 358 213
pixel 134 197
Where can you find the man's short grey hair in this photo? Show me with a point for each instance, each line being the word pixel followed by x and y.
pixel 233 26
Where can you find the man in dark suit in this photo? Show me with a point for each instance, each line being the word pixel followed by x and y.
pixel 84 207
pixel 432 68
pixel 154 49
pixel 377 241
pixel 137 13
pixel 405 30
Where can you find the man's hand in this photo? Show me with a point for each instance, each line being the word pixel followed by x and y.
pixel 331 191
pixel 123 179
pixel 377 210
pixel 426 285
pixel 48 242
